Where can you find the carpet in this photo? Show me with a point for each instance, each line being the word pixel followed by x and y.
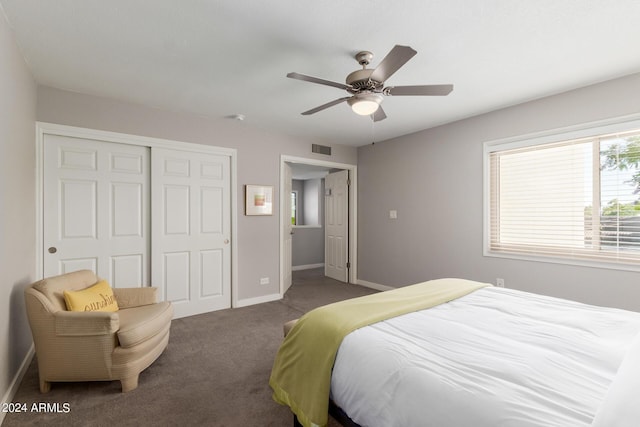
pixel 215 371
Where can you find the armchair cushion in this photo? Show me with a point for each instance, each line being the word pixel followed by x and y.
pixel 53 287
pixel 134 297
pixel 138 324
pixel 98 297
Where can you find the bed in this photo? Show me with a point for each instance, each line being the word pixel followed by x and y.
pixel 488 357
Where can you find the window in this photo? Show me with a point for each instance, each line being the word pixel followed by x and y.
pixel 294 208
pixel 572 200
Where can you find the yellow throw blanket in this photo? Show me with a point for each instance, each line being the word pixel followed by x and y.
pixel 301 374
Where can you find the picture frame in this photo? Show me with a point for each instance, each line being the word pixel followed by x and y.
pixel 258 200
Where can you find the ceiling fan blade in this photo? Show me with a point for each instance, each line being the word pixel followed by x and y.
pixel 391 63
pixel 324 106
pixel 426 90
pixel 305 78
pixel 379 115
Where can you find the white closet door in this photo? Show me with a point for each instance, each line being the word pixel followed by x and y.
pixel 191 229
pixel 96 207
pixel 336 244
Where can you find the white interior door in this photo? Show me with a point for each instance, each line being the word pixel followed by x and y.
pixel 337 225
pixel 191 230
pixel 287 229
pixel 95 209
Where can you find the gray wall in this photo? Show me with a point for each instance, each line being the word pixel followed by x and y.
pixel 259 152
pixel 17 203
pixel 313 201
pixel 434 180
pixel 307 246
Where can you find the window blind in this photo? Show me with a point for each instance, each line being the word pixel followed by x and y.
pixel 577 199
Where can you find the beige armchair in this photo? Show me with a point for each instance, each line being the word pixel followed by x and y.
pixel 95 346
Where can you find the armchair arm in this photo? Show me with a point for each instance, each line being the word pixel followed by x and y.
pixel 80 323
pixel 135 297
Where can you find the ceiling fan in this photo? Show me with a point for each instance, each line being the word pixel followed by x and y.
pixel 366 85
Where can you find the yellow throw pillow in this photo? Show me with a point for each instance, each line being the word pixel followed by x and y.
pixel 98 297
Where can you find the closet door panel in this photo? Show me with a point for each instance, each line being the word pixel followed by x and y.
pixel 96 208
pixel 191 202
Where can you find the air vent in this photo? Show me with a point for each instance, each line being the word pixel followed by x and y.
pixel 320 149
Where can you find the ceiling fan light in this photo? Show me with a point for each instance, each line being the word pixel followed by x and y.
pixel 364 108
pixel 365 104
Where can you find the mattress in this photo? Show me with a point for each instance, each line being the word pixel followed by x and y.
pixel 495 357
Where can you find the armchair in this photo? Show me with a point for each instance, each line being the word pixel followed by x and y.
pixel 95 346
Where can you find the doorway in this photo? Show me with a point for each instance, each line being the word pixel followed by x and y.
pixel 309 218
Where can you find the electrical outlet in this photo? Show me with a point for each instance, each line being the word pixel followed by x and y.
pixel 500 282
pixel 393 214
pixel 264 280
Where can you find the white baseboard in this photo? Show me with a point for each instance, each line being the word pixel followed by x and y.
pixel 257 300
pixel 306 267
pixel 17 379
pixel 372 285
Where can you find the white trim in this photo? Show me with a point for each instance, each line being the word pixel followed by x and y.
pixel 315 162
pixel 375 286
pixel 584 130
pixel 563 261
pixel 43 128
pixel 124 138
pixel 257 300
pixel 353 211
pixel 17 380
pixel 234 229
pixel 306 267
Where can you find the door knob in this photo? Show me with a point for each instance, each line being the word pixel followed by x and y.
pixel 226 241
pixel 52 250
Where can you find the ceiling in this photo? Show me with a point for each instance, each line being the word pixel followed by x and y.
pixel 304 171
pixel 218 58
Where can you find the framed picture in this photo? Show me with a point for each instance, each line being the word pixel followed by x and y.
pixel 258 200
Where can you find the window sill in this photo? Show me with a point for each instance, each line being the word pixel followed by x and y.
pixel 563 260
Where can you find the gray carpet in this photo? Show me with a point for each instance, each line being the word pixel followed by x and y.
pixel 215 371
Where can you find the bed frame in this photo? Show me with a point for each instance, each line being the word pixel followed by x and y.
pixel 336 413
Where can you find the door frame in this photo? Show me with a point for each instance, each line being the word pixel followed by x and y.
pixel 44 128
pixel 353 211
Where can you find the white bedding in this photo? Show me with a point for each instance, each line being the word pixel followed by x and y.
pixel 494 358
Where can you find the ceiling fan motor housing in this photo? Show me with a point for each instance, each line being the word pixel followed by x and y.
pixel 360 80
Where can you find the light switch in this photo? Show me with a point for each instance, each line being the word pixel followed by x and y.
pixel 393 214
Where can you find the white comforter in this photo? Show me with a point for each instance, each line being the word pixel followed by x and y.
pixel 494 358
